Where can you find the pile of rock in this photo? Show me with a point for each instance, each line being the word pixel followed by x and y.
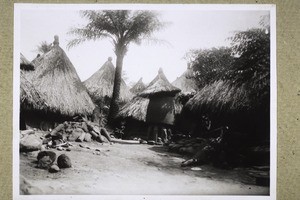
pixel 76 131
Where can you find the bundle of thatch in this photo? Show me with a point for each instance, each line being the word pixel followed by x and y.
pixel 135 109
pixel 138 87
pixel 185 82
pixel 159 86
pixel 30 98
pixel 219 98
pixel 25 64
pixel 56 78
pixel 100 84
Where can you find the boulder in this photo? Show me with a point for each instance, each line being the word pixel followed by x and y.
pixel 26 132
pixel 76 133
pixel 104 139
pixel 84 127
pixel 54 169
pixel 63 161
pixel 46 159
pixel 88 137
pixel 30 143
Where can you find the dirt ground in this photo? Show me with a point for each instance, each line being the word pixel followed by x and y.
pixel 134 169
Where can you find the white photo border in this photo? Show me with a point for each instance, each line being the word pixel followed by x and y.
pixel 199 7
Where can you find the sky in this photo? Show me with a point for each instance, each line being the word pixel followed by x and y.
pixel 186 30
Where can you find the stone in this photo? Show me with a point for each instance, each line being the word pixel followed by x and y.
pixel 104 139
pixel 88 137
pixel 75 134
pixel 30 143
pixel 151 142
pixel 46 159
pixel 63 161
pixel 84 127
pixel 46 140
pixel 59 148
pixel 27 132
pixel 54 169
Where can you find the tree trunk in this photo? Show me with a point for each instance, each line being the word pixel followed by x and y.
pixel 114 104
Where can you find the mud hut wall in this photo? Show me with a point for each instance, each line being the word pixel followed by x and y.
pixel 161 110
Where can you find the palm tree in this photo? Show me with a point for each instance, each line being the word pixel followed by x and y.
pixel 121 27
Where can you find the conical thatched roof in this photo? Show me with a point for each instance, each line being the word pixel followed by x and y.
pixel 159 86
pixel 30 98
pixel 218 98
pixel 135 109
pixel 138 87
pixel 101 83
pixel 56 78
pixel 25 64
pixel 185 82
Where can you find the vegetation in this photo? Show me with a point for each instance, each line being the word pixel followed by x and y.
pixel 234 82
pixel 121 27
pixel 209 65
pixel 253 63
pixel 43 47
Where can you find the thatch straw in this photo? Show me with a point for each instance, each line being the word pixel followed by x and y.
pixel 159 86
pixel 101 83
pixel 218 98
pixel 25 64
pixel 30 98
pixel 138 87
pixel 185 82
pixel 37 60
pixel 56 78
pixel 135 109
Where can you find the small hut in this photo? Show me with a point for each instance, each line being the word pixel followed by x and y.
pixel 226 104
pixel 138 87
pixel 161 108
pixel 185 82
pixel 56 79
pixel 134 113
pixel 100 85
pixel 161 92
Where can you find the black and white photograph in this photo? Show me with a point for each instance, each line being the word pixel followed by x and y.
pixel 137 101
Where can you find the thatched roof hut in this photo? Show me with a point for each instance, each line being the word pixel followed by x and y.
pixel 25 64
pixel 138 87
pixel 30 98
pixel 218 98
pixel 185 82
pixel 56 78
pixel 100 84
pixel 160 86
pixel 135 109
pixel 161 108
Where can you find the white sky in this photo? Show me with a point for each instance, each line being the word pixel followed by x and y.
pixel 188 30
